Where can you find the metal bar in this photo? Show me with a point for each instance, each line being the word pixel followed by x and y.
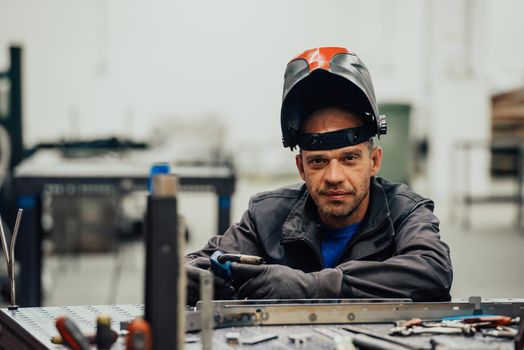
pixel 237 314
pixel 206 309
pixel 164 247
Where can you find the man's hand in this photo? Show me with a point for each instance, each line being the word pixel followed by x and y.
pixel 273 282
pixel 223 290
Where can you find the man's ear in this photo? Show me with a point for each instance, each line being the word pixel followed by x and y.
pixel 376 160
pixel 300 165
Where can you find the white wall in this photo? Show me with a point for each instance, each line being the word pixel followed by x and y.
pixel 101 67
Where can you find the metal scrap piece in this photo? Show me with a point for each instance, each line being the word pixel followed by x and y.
pixel 258 339
pixel 233 338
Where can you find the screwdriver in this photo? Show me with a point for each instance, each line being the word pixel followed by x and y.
pixel 70 333
pixel 104 334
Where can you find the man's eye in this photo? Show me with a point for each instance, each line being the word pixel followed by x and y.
pixel 350 157
pixel 317 161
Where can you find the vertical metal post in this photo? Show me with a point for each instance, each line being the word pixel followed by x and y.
pixel 165 289
pixel 29 252
pixel 15 106
pixel 206 309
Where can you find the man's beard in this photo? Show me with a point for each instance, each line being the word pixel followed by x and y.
pixel 339 209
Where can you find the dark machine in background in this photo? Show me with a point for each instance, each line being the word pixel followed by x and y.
pixel 72 190
pixel 11 137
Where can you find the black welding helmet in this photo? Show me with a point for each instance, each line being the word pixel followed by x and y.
pixel 322 77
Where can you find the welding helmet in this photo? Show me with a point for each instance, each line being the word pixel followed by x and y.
pixel 328 76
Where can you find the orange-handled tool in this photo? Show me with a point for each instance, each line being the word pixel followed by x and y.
pixel 71 335
pixel 139 335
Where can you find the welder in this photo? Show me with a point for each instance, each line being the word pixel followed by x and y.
pixel 344 232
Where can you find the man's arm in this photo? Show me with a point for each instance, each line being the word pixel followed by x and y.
pixel 420 268
pixel 239 238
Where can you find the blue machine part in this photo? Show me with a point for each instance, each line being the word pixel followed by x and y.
pixel 220 269
pixel 157 168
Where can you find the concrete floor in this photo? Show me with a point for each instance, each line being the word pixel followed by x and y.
pixel 488 258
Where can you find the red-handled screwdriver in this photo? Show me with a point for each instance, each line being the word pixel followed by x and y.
pixel 71 335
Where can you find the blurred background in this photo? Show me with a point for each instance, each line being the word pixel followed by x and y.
pixel 94 92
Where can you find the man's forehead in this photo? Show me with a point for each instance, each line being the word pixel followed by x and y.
pixel 330 119
pixel 354 149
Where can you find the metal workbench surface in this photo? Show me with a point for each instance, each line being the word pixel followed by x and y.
pixel 32 328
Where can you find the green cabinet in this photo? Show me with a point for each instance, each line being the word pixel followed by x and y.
pixel 396 145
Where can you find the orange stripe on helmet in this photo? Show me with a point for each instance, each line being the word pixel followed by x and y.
pixel 320 57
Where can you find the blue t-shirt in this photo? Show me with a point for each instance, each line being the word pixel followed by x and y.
pixel 334 242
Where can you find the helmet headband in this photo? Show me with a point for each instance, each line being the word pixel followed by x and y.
pixel 335 139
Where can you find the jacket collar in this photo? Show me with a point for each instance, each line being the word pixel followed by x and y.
pixel 303 222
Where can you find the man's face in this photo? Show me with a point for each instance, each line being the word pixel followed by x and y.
pixel 338 180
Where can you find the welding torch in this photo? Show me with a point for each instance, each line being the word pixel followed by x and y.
pixel 221 262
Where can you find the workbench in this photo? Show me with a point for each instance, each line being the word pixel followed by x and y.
pixel 32 328
pixel 47 170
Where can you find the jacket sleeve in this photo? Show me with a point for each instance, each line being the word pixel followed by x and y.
pixel 239 238
pixel 420 267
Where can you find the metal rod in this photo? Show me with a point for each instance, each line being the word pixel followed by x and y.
pixel 12 253
pixel 15 233
pixel 4 242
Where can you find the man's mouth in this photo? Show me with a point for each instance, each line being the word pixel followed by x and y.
pixel 335 195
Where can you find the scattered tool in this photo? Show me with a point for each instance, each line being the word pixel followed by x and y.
pixel 139 336
pixel 482 321
pixel 258 339
pixel 91 338
pixel 501 332
pixel 104 334
pixel 71 335
pixel 221 263
pixel 10 256
pixel 467 325
pixel 390 339
pixel 403 326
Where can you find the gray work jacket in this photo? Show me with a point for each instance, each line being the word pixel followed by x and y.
pixel 396 253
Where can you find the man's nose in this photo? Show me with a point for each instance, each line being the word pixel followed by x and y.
pixel 334 172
